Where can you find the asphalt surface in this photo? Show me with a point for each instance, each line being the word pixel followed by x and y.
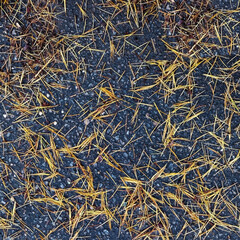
pixel 98 69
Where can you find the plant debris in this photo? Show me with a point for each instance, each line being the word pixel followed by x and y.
pixel 120 119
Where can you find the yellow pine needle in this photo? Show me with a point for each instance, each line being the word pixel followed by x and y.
pixel 14 209
pixel 84 14
pixel 64 59
pixel 80 147
pixel 49 200
pixel 46 64
pixel 112 49
pixel 65 5
pixel 144 88
pixel 214 77
pixel 5 224
pixel 195 115
pixel 158 174
pixel 217 33
pixel 233 161
pixel 49 159
pixel 131 180
pixel 53 175
pixel 220 140
pixel 112 162
pixel 108 93
pixel 134 117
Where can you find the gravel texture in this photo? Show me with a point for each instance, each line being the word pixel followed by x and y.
pixel 127 133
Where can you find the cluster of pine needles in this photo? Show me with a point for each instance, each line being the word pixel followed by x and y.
pixel 39 58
